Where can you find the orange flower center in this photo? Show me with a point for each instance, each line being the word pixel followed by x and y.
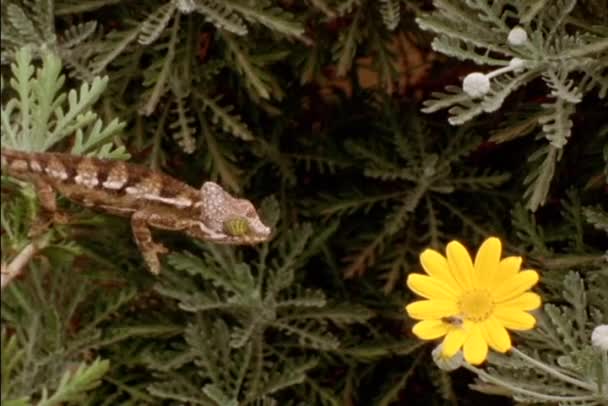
pixel 476 305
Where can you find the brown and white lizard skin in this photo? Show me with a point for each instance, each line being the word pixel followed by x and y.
pixel 149 198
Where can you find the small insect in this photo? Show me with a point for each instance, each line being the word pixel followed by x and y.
pixel 455 321
pixel 236 226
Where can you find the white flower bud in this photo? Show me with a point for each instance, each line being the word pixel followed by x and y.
pixel 476 84
pixel 599 337
pixel 517 64
pixel 185 6
pixel 447 364
pixel 517 36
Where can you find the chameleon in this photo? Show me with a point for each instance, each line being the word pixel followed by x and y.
pixel 149 198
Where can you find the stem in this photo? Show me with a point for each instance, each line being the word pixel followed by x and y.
pixel 554 372
pixel 603 373
pixel 593 48
pixel 500 71
pixel 15 268
pixel 539 396
pixel 585 26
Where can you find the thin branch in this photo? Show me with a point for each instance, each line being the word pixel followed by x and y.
pixel 18 264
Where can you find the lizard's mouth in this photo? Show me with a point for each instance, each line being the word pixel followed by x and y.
pixel 244 240
pixel 258 234
pixel 258 238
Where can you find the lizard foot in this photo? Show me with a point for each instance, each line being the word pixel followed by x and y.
pixel 159 248
pixel 60 218
pixel 151 253
pixel 47 219
pixel 39 227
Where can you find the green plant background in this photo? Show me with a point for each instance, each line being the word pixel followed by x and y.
pixel 355 184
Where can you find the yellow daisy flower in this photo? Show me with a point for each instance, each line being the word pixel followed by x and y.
pixel 472 304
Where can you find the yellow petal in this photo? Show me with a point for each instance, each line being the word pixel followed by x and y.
pixel 515 286
pixel 507 268
pixel 430 329
pixel 460 264
pixel 526 301
pixel 453 342
pixel 514 319
pixel 486 262
pixel 430 288
pixel 496 335
pixel 431 309
pixel 436 266
pixel 475 347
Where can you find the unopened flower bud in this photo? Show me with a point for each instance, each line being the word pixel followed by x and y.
pixel 517 36
pixel 447 364
pixel 185 6
pixel 599 337
pixel 476 84
pixel 517 64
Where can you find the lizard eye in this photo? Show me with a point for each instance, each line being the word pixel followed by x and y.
pixel 236 226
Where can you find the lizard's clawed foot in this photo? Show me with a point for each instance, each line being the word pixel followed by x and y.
pixel 60 218
pixel 151 253
pixel 46 220
pixel 39 227
pixel 159 248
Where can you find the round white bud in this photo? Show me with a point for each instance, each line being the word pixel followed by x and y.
pixel 599 337
pixel 476 84
pixel 185 6
pixel 447 364
pixel 517 36
pixel 517 64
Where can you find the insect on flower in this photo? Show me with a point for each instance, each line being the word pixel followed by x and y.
pixel 472 304
pixel 453 320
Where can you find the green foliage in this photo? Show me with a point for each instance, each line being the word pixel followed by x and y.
pixel 478 31
pixel 417 184
pixel 37 119
pixel 555 362
pixel 73 384
pixel 597 217
pixel 174 28
pixel 48 345
pixel 266 303
pixel 371 33
pixel 390 13
pixel 567 369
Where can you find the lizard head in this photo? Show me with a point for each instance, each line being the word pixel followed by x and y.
pixel 236 220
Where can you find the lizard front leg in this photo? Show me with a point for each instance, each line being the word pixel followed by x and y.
pixel 48 201
pixel 46 196
pixel 143 237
